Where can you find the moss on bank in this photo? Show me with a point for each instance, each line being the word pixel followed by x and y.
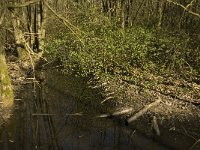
pixel 6 91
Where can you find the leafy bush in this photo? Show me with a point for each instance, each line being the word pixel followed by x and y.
pixel 108 49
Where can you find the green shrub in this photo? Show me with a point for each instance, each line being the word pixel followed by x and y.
pixel 107 49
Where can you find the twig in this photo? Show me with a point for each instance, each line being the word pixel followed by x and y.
pixel 144 110
pixel 137 12
pixel 69 25
pixel 193 145
pixel 2 17
pixel 117 113
pixel 23 5
pixel 43 114
pixel 10 30
pixel 75 114
pixel 106 99
pixel 125 111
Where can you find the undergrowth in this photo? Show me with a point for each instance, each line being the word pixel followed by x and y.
pixel 107 49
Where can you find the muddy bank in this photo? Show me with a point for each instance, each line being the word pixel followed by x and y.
pixel 6 91
pixel 176 120
pixel 15 73
pixel 172 121
pixel 50 119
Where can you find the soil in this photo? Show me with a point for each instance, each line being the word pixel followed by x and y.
pixel 179 109
pixel 20 73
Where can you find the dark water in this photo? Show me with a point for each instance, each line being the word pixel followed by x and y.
pixel 47 119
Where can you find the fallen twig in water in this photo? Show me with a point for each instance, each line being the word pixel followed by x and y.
pixel 75 114
pixel 43 114
pixel 125 111
pixel 117 113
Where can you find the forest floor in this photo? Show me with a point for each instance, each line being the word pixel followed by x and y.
pixel 133 98
pixel 20 74
pixel 162 101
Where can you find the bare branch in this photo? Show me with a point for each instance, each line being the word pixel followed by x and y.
pixel 2 17
pixel 75 30
pixel 186 8
pixel 190 4
pixel 23 5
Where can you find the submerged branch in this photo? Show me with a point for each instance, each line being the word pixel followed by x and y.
pixel 117 113
pixel 43 114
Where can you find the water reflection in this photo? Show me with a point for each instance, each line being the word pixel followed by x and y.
pixel 41 122
pixel 61 131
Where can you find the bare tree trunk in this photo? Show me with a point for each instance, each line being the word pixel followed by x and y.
pixel 130 18
pixel 160 11
pixel 19 36
pixel 41 26
pixel 122 14
pixel 30 33
pixel 34 17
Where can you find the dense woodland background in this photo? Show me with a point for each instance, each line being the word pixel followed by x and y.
pixel 111 36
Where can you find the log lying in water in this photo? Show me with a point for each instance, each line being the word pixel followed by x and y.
pixel 117 113
pixel 143 111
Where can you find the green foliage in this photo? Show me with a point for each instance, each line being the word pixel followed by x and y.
pixel 114 51
pixel 103 47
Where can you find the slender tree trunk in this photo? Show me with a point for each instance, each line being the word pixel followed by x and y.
pixel 41 27
pixel 160 11
pixel 19 37
pixel 31 34
pixel 122 14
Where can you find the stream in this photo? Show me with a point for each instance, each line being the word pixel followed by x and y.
pixel 45 118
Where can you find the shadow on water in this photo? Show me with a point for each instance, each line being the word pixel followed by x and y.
pixel 50 120
pixel 47 119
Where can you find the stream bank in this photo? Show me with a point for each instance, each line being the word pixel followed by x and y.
pixel 50 118
pixel 177 121
pixel 57 93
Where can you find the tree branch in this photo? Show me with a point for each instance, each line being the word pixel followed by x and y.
pixel 23 5
pixel 2 17
pixel 75 30
pixel 186 8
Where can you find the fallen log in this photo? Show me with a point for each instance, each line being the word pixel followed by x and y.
pixel 143 111
pixel 117 113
